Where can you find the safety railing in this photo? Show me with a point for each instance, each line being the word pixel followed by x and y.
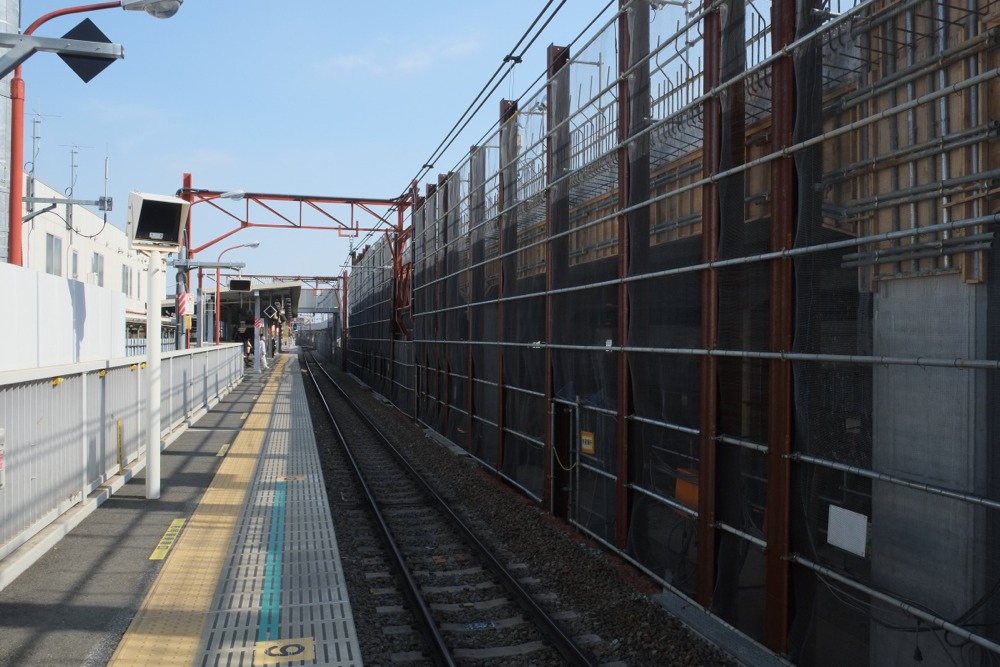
pixel 67 430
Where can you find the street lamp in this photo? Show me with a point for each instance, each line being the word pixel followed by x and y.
pixel 161 9
pixel 218 290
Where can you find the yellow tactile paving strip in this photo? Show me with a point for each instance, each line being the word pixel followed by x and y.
pixel 168 628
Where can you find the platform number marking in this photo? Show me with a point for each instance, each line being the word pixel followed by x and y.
pixel 283 650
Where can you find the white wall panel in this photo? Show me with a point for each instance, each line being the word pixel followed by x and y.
pixel 52 321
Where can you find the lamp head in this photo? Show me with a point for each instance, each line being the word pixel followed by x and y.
pixel 253 244
pixel 235 195
pixel 161 9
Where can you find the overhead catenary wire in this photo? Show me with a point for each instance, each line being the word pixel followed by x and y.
pixel 509 61
pixel 482 96
pixel 480 101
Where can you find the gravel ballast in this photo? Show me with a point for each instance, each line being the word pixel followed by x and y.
pixel 611 597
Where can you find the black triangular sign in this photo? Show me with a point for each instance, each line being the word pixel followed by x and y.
pixel 87 67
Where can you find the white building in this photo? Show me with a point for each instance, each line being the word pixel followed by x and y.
pixel 74 242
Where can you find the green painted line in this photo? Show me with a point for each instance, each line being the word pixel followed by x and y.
pixel 270 614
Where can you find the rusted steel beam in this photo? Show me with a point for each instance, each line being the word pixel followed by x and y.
pixel 200 194
pixel 475 273
pixel 343 324
pixel 633 187
pixel 783 204
pixel 418 204
pixel 556 251
pixel 352 227
pixel 508 267
pixel 443 352
pixel 709 407
pixel 621 380
pixel 430 303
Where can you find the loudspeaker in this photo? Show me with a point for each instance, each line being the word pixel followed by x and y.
pixel 156 222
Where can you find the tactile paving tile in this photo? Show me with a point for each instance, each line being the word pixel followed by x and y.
pixel 314 610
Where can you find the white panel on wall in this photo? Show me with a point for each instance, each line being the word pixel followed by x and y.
pixel 19 332
pixel 847 530
pixel 54 321
pixel 58 339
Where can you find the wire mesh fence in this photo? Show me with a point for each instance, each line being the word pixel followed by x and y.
pixel 718 293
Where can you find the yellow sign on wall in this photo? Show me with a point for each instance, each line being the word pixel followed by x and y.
pixel 587 445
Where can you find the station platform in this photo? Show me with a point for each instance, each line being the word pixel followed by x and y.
pixel 235 564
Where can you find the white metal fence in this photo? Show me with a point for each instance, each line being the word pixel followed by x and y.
pixel 66 430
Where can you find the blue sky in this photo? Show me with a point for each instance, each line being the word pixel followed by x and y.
pixel 313 97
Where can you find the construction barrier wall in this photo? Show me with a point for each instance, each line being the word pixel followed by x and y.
pixel 723 293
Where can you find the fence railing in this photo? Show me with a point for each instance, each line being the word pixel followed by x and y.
pixel 67 430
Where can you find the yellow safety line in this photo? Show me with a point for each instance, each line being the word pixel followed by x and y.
pixel 168 628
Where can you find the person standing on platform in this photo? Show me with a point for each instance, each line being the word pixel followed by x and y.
pixel 273 344
pixel 262 352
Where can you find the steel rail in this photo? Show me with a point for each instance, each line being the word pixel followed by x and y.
pixel 428 627
pixel 561 642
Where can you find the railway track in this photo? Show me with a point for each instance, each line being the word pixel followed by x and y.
pixel 443 596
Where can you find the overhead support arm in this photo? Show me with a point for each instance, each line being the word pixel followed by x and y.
pixel 22 47
pixel 378 212
pixel 187 266
pixel 29 216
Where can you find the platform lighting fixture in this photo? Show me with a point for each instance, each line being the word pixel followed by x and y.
pixel 218 289
pixel 235 195
pixel 161 9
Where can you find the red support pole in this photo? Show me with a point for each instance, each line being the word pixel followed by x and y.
pixel 66 11
pixel 16 213
pixel 783 204
pixel 343 325
pixel 476 179
pixel 625 128
pixel 557 222
pixel 508 271
pixel 218 308
pixel 17 89
pixel 710 221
